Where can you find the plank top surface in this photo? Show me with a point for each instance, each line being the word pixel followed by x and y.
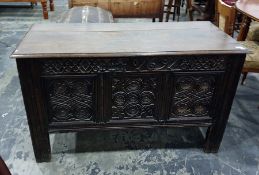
pixel 125 39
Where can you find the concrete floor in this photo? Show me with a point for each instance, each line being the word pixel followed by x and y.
pixel 157 151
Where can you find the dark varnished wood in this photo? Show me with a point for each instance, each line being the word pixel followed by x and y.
pixel 82 85
pixel 229 83
pixel 3 168
pixel 34 106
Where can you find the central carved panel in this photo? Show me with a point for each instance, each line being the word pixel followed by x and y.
pixel 70 99
pixel 193 96
pixel 134 97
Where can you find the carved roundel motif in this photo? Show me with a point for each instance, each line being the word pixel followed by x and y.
pixel 70 99
pixel 133 86
pixel 132 111
pixel 119 98
pixel 200 109
pixel 182 109
pixel 61 112
pixel 134 97
pixel 193 96
pixel 147 97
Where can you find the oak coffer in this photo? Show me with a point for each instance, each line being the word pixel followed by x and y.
pixel 76 77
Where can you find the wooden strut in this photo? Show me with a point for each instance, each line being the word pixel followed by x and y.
pixel 44 9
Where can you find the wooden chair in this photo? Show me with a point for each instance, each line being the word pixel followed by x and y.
pixel 226 19
pixel 200 6
pixel 176 5
pixel 3 168
pixel 191 7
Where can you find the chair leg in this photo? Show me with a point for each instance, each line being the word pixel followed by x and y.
pixel 191 14
pixel 51 5
pixel 189 9
pixel 168 10
pixel 174 13
pixel 153 19
pixel 178 13
pixel 243 78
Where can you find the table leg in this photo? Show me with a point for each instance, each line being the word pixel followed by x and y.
pixel 244 28
pixel 36 113
pixel 3 168
pixel 44 9
pixel 51 5
pixel 213 138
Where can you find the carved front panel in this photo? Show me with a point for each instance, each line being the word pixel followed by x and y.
pixel 70 99
pixel 135 97
pixel 193 95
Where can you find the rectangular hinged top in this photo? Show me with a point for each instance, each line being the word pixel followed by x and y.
pixel 125 39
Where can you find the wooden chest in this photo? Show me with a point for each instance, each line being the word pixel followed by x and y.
pixel 76 77
pixel 126 8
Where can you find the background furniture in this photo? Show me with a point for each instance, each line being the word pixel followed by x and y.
pixel 87 14
pixel 43 3
pixel 249 10
pixel 226 16
pixel 176 4
pixel 205 8
pixel 130 76
pixel 126 9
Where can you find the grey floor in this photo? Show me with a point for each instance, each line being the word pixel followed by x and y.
pixel 156 151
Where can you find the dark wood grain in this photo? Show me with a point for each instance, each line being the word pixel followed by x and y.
pixel 227 93
pixel 3 168
pixel 34 106
pixel 186 87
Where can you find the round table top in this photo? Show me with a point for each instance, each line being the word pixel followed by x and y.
pixel 249 8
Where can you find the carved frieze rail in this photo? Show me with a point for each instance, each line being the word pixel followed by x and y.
pixel 131 64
